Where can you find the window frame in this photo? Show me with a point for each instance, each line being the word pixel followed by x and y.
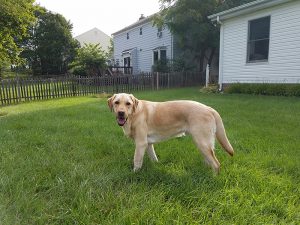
pixel 153 56
pixel 158 51
pixel 248 61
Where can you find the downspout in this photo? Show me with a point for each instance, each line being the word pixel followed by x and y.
pixel 221 53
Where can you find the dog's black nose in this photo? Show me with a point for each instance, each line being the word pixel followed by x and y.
pixel 121 114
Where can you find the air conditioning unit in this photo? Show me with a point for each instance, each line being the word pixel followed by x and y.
pixel 159 34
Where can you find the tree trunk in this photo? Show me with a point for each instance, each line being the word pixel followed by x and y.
pixel 211 56
pixel 201 60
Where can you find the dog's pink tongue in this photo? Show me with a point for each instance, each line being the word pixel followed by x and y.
pixel 121 121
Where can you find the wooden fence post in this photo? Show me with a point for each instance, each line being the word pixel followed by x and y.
pixel 157 80
pixel 207 75
pixel 18 90
pixel 152 80
pixel 73 81
pixel 1 88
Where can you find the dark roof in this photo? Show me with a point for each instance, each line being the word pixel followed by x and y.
pixel 138 23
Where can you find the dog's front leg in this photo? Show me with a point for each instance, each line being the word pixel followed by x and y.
pixel 140 147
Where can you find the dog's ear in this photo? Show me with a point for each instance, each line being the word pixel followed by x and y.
pixel 135 102
pixel 110 102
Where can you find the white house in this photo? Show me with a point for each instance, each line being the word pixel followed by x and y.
pixel 94 36
pixel 141 44
pixel 260 42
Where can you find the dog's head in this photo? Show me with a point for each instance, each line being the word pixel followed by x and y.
pixel 123 105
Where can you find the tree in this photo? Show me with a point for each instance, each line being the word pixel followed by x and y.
pixel 161 66
pixel 90 61
pixel 15 18
pixel 50 47
pixel 187 19
pixel 110 53
pixel 194 33
pixel 227 4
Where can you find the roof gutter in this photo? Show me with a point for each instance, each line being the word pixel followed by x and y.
pixel 218 20
pixel 246 8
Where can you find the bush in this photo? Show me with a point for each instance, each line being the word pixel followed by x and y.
pixel 210 89
pixel 265 89
pixel 161 66
pixel 90 61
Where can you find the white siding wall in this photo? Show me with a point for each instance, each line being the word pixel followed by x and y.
pixel 284 51
pixel 94 36
pixel 144 45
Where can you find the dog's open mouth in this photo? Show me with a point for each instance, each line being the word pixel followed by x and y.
pixel 121 121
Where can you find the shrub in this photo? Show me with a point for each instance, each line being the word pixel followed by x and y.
pixel 161 66
pixel 90 61
pixel 210 89
pixel 264 89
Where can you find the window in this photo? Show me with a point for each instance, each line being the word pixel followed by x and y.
pixel 258 40
pixel 127 35
pixel 127 65
pixel 160 55
pixel 127 62
pixel 155 56
pixel 141 31
pixel 163 55
pixel 159 32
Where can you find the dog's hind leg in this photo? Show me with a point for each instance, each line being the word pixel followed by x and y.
pixel 205 144
pixel 151 153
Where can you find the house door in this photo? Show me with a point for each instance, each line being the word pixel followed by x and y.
pixel 127 65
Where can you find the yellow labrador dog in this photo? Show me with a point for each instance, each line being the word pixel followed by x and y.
pixel 151 122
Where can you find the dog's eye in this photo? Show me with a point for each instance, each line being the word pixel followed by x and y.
pixel 117 102
pixel 128 103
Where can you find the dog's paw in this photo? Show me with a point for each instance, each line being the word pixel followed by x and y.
pixel 137 165
pixel 136 169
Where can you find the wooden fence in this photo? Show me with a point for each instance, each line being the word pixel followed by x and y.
pixel 17 90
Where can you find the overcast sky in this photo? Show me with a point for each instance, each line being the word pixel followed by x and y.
pixel 107 15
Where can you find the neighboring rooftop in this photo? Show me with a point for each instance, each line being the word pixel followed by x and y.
pixel 246 8
pixel 94 36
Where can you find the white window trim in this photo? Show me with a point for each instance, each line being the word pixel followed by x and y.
pixel 159 53
pixel 263 61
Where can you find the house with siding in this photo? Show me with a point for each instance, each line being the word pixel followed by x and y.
pixel 141 44
pixel 260 42
pixel 94 36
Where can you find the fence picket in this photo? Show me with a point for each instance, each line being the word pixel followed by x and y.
pixel 8 91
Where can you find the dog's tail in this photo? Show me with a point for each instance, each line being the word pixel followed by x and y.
pixel 221 134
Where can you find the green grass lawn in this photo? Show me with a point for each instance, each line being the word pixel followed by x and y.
pixel 66 161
